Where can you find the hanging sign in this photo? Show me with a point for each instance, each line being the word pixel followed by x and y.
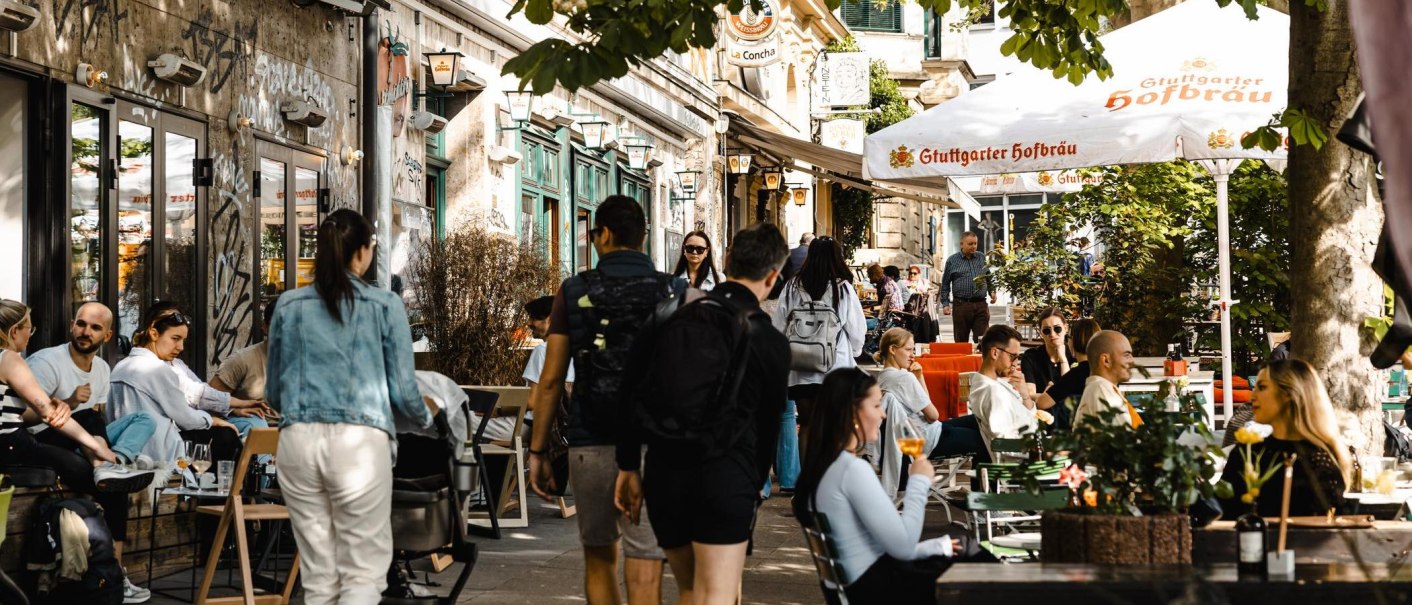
pixel 846 134
pixel 753 54
pixel 841 80
pixel 394 83
pixel 751 26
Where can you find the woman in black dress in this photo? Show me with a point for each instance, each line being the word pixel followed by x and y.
pixel 1290 397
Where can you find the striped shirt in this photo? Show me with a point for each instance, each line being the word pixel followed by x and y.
pixel 959 277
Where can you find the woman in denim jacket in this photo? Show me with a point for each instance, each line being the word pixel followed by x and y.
pixel 340 361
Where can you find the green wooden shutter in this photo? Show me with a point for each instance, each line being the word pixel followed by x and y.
pixel 863 15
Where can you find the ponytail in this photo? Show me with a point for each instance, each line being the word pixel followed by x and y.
pixel 341 235
pixel 12 313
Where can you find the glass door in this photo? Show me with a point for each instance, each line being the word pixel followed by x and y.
pixel 288 187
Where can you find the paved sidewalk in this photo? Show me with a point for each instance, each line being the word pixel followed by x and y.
pixel 543 563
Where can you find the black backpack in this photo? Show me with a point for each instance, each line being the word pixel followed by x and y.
pixel 605 315
pixel 692 365
pixel 1395 443
pixel 102 584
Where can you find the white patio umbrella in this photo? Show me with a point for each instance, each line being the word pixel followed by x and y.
pixel 1187 83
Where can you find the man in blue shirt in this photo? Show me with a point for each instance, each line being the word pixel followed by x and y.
pixel 965 277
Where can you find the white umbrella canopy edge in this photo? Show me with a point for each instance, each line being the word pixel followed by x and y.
pixel 1188 83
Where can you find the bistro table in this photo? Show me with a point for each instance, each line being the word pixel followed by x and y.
pixel 1198 382
pixel 1385 542
pixel 1087 584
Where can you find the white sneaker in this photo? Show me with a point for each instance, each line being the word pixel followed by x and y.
pixel 133 593
pixel 144 463
pixel 116 479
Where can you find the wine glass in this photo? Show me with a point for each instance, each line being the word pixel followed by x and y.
pixel 184 456
pixel 200 459
pixel 911 442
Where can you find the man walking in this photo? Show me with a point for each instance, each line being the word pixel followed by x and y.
pixel 710 419
pixel 595 319
pixel 995 401
pixel 1110 359
pixel 959 280
pixel 73 373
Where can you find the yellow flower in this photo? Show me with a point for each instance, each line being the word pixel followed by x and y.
pixel 1253 492
pixel 1044 416
pixel 1246 436
pixel 1247 498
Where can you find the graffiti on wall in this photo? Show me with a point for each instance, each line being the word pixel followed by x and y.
pixel 231 281
pixel 220 52
pixel 407 178
pixel 87 19
pixel 273 81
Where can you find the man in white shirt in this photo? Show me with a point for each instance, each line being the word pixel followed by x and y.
pixel 1110 358
pixel 995 398
pixel 539 310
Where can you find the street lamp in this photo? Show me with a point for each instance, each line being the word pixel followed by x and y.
pixel 520 103
pixel 686 179
pixel 637 153
pixel 773 180
pixel 593 132
pixel 739 163
pixel 443 66
pixel 800 195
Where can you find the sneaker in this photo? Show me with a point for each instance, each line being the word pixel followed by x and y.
pixel 116 479
pixel 144 463
pixel 133 593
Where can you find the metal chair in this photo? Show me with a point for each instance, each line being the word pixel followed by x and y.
pixel 825 556
pixel 984 504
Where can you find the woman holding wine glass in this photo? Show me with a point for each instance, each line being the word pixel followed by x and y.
pixel 880 549
pixel 340 361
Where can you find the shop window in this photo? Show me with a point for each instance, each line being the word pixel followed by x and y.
pixel 866 16
pixel 288 185
pixel 135 212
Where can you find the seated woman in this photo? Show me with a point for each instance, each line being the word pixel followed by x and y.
pixel 1046 364
pixel 244 414
pixel 146 382
pixel 902 377
pixel 1290 397
pixel 879 549
pixel 1070 384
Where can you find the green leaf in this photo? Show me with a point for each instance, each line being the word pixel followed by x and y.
pixel 539 11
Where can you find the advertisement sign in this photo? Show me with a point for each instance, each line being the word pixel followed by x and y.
pixel 394 83
pixel 753 54
pixel 841 80
pixel 750 25
pixel 846 135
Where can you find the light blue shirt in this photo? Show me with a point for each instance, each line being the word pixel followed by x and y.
pixel 354 372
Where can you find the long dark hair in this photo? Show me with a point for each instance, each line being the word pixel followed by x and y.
pixel 708 264
pixel 833 425
pixel 823 267
pixel 341 235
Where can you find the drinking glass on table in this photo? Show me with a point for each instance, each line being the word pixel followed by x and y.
pixel 225 475
pixel 200 459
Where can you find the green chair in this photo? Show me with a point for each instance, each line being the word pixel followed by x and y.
pixel 984 504
pixel 825 555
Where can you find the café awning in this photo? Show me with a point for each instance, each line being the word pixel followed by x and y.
pixel 845 168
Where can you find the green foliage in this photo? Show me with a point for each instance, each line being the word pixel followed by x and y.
pixel 1057 36
pixel 852 215
pixel 853 208
pixel 1303 130
pixel 1163 466
pixel 846 44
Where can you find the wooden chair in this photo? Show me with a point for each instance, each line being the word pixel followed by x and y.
pixel 237 512
pixel 825 556
pixel 511 402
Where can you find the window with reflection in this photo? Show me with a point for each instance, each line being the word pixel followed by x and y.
pixel 272 229
pixel 290 182
pixel 86 126
pixel 134 223
pixel 181 265
pixel 306 220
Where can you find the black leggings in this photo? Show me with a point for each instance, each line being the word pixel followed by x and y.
pixel 225 442
pixel 890 581
pixel 75 471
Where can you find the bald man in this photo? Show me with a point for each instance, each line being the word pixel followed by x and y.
pixel 1110 360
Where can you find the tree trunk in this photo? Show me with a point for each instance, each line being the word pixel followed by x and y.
pixel 1334 224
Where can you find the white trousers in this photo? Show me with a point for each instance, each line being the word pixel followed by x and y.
pixel 337 482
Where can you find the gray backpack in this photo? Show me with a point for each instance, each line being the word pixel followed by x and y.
pixel 812 329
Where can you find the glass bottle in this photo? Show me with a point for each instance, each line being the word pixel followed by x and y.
pixel 1357 474
pixel 1250 541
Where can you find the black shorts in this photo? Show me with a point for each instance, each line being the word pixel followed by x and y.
pixel 711 502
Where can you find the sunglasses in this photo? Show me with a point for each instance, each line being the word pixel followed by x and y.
pixel 694 249
pixel 173 318
pixel 1054 330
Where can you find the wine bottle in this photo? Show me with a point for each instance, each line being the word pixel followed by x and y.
pixel 1357 474
pixel 1250 541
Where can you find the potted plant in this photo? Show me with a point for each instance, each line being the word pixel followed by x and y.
pixel 1132 489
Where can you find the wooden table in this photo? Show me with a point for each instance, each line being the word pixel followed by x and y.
pixel 1387 541
pixel 1083 584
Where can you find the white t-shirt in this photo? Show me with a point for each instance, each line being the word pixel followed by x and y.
pixel 535 366
pixel 999 410
pixel 905 386
pixel 56 373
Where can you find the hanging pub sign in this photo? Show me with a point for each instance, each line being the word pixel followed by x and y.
pixel 751 26
pixel 753 54
pixel 394 83
pixel 840 80
pixel 844 134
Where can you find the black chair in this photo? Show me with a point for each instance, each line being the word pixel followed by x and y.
pixel 483 403
pixel 825 555
pixel 426 521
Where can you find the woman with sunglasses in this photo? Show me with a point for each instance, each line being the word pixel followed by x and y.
pixel 1045 364
pixel 1069 385
pixel 145 381
pixel 697 263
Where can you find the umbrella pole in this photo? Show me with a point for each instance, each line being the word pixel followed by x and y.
pixel 1221 170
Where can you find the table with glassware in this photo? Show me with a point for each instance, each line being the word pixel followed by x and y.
pixel 1202 383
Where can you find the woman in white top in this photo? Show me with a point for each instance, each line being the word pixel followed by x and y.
pixel 697 262
pixel 824 277
pixel 879 548
pixel 902 376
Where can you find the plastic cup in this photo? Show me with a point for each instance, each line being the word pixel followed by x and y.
pixel 225 474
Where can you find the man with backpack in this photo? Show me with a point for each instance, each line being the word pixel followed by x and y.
pixel 711 384
pixel 595 319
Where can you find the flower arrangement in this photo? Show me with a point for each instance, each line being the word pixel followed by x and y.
pixel 1255 476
